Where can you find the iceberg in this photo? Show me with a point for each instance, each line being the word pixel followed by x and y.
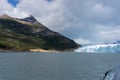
pixel 106 48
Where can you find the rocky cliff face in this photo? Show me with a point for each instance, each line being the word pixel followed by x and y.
pixel 28 33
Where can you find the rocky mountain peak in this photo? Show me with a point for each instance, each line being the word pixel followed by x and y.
pixel 30 19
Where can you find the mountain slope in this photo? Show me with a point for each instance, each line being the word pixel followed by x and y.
pixel 25 34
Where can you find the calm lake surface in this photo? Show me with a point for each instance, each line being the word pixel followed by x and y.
pixel 56 66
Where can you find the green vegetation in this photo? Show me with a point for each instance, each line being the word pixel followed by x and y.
pixel 22 37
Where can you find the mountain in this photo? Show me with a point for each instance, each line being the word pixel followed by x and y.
pixel 108 48
pixel 28 33
pixel 117 42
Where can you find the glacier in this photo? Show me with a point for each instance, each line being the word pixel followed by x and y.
pixel 105 48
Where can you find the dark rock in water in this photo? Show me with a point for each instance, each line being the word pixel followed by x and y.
pixel 28 33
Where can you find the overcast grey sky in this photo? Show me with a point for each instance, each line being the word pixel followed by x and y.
pixel 85 21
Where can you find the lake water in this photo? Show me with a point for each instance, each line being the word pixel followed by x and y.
pixel 56 66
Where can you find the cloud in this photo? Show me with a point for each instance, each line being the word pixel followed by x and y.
pixel 83 41
pixel 4 5
pixel 82 20
pixel 16 12
pixel 7 8
pixel 108 33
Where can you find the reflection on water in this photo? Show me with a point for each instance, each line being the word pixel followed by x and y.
pixel 56 66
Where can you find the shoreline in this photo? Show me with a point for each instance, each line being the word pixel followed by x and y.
pixel 42 50
pixel 39 50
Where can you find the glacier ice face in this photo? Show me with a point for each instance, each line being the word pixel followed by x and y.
pixel 107 48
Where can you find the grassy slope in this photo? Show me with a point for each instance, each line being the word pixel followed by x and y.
pixel 18 37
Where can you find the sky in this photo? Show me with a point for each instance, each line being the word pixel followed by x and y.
pixel 85 21
pixel 13 2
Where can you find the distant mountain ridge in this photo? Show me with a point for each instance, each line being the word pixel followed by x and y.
pixel 28 33
pixel 115 42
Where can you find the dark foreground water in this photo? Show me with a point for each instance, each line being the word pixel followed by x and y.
pixel 56 66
